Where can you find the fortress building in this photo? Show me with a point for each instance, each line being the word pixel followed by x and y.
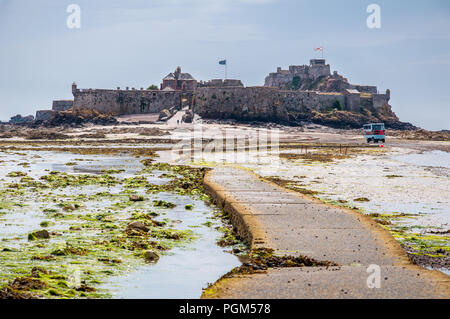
pixel 313 77
pixel 298 75
pixel 298 90
pixel 179 81
pixel 177 90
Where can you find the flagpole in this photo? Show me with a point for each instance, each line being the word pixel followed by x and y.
pixel 224 62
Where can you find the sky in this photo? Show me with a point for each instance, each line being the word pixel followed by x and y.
pixel 136 43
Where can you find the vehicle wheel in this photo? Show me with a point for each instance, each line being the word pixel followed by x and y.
pixel 368 140
pixel 384 141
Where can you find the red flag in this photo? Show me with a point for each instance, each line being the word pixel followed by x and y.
pixel 318 49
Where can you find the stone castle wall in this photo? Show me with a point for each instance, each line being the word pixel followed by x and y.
pixel 304 100
pixel 62 105
pixel 378 100
pixel 44 115
pixel 220 83
pixel 249 103
pixel 222 102
pixel 282 78
pixel 268 103
pixel 365 88
pixel 127 101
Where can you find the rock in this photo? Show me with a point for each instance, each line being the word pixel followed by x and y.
pixel 188 117
pixel 151 256
pixel 85 288
pixel 139 226
pixel 44 134
pixel 40 234
pixel 136 198
pixel 9 293
pixel 37 271
pixel 25 283
pixel 164 115
pixel 79 117
pixel 68 208
pixel 17 119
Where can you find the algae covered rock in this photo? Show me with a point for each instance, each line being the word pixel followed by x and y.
pixel 40 234
pixel 139 226
pixel 26 283
pixel 136 198
pixel 150 256
pixel 163 204
pixel 9 293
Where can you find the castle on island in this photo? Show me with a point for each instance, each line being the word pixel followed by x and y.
pixel 301 88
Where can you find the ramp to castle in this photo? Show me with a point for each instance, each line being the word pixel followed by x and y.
pixel 266 215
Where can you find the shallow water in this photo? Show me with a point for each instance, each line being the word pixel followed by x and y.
pixel 434 159
pixel 180 273
pixel 184 271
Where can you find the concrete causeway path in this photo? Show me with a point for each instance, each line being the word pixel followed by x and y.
pixel 266 215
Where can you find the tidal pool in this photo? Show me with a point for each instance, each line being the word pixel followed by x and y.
pixel 85 203
pixel 184 271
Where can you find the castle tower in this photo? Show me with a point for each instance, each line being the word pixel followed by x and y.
pixel 314 62
pixel 318 68
pixel 74 88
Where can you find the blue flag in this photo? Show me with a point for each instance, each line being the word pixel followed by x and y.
pixel 223 62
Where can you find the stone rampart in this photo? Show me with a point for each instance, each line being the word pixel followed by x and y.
pixel 248 104
pixel 62 105
pixel 303 100
pixel 127 101
pixel 44 115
